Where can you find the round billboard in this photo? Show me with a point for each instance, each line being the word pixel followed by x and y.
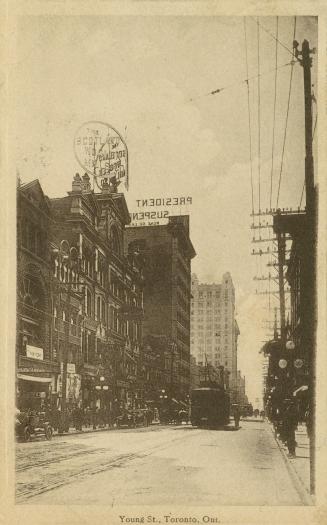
pixel 101 152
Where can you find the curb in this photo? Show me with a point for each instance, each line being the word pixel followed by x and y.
pixel 91 430
pixel 305 496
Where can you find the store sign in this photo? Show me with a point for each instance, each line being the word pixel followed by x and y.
pixel 71 369
pixel 34 352
pixel 73 386
pixel 150 212
pixel 101 151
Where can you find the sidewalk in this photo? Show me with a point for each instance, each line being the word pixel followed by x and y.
pixel 299 466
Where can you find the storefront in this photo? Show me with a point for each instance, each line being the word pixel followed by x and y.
pixel 33 392
pixel 35 383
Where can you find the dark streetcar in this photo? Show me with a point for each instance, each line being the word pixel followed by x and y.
pixel 210 407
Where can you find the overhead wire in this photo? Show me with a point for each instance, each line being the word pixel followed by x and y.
pixel 273 36
pixel 274 117
pixel 286 120
pixel 249 115
pixel 239 82
pixel 259 119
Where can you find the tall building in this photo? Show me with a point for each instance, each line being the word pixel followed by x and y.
pixel 80 299
pixel 214 329
pixel 167 251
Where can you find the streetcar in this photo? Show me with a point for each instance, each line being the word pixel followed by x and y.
pixel 210 407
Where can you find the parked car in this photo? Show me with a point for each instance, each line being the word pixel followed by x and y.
pixel 32 424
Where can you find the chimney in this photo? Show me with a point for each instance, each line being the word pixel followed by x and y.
pixel 77 184
pixel 105 186
pixel 86 186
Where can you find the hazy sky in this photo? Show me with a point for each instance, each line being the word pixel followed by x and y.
pixel 139 74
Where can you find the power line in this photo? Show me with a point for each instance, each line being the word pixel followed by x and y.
pixel 259 119
pixel 272 36
pixel 249 114
pixel 274 115
pixel 286 121
pixel 239 82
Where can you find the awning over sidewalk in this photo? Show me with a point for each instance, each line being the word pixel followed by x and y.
pixel 34 378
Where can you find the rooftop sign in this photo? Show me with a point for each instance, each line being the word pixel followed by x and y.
pixel 101 152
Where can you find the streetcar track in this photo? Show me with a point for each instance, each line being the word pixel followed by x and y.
pixel 76 476
pixel 59 459
pixel 117 462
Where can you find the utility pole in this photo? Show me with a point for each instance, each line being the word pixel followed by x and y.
pixel 281 263
pixel 310 263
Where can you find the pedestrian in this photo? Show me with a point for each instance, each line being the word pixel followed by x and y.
pixel 290 425
pixel 237 416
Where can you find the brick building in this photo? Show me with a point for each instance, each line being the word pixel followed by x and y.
pixel 36 369
pixel 167 250
pixel 83 299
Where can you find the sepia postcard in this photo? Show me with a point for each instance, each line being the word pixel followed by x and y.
pixel 163 169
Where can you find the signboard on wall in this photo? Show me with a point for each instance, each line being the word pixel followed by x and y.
pixel 73 386
pixel 34 352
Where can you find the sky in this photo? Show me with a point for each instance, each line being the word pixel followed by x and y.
pixel 149 77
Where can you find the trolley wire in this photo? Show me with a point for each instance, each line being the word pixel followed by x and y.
pixel 249 114
pixel 259 119
pixel 239 82
pixel 273 36
pixel 286 120
pixel 274 117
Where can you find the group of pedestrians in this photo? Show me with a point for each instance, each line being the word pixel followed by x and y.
pixel 92 417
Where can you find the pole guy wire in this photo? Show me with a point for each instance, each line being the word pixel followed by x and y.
pixel 286 120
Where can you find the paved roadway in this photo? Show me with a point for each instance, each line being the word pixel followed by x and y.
pixel 177 465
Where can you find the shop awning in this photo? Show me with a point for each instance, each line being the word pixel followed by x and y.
pixel 34 378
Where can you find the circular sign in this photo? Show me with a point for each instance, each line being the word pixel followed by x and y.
pixel 102 153
pixel 298 363
pixel 290 345
pixel 282 363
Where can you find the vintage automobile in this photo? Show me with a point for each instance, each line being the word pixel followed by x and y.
pixel 131 418
pixel 32 424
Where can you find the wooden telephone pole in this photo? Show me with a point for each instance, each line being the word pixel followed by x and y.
pixel 310 263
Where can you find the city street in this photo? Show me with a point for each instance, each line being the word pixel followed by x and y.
pixel 170 464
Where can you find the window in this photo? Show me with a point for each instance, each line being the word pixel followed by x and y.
pixel 103 311
pixel 114 239
pixel 88 302
pixel 98 311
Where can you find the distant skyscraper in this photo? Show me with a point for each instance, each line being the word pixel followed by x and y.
pixel 214 330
